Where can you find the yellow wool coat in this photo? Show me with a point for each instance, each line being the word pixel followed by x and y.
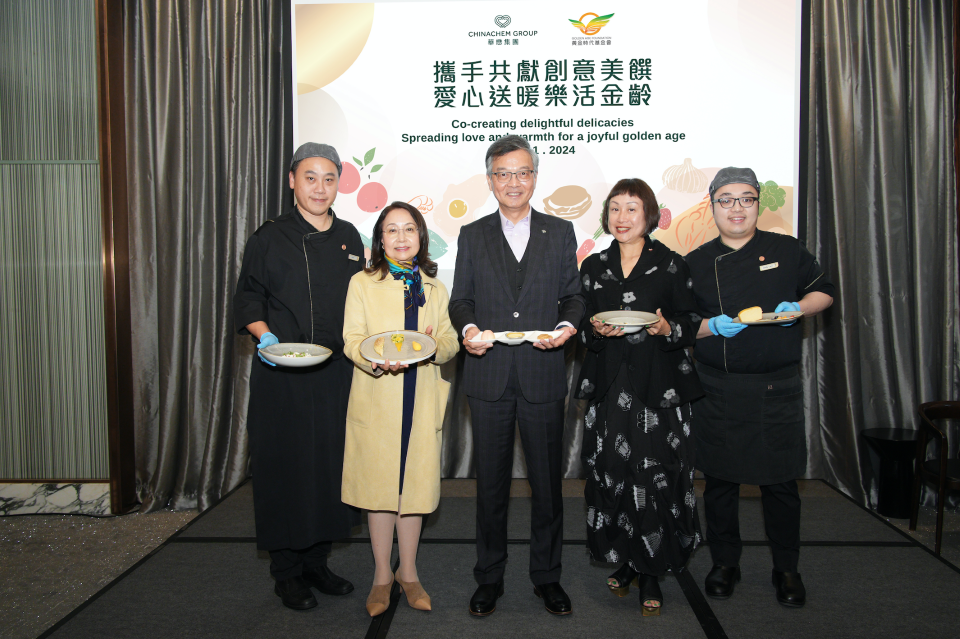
pixel 371 461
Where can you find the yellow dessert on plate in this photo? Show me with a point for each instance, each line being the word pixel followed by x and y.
pixel 751 314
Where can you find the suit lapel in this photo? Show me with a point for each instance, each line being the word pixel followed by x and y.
pixel 536 247
pixel 494 240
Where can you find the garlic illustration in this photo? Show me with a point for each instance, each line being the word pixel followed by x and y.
pixel 685 178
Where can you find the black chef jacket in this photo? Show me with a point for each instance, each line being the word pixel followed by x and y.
pixel 295 278
pixel 769 269
pixel 749 427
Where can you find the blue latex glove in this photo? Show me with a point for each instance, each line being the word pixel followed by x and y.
pixel 725 326
pixel 267 339
pixel 786 307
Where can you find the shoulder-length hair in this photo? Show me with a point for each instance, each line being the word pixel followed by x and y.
pixel 638 189
pixel 378 262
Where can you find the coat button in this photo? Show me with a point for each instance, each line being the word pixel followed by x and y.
pixel 515 314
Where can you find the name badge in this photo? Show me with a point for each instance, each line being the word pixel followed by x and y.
pixel 354 258
pixel 765 267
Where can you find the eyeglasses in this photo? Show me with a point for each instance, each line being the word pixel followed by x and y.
pixel 393 232
pixel 727 202
pixel 504 176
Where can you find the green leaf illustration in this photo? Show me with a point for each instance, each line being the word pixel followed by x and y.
pixel 368 158
pixel 358 162
pixel 438 248
pixel 376 168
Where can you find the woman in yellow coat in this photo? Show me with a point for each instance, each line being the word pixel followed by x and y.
pixel 391 464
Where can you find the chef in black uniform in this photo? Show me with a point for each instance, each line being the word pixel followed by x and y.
pixel 749 427
pixel 292 288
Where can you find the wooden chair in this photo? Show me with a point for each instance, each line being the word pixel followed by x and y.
pixel 945 472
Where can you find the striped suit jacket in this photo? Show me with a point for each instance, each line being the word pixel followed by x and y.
pixel 550 295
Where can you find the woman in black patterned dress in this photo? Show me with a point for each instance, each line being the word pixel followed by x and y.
pixel 637 447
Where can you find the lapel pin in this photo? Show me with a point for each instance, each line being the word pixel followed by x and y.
pixel 343 247
pixel 761 258
pixel 543 230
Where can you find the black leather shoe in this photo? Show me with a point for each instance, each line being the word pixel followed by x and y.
pixel 790 590
pixel 323 579
pixel 484 600
pixel 555 600
pixel 295 593
pixel 720 581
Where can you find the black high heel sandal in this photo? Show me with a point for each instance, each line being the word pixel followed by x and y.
pixel 619 582
pixel 651 597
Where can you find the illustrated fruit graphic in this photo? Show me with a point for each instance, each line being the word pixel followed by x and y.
pixel 349 179
pixel 665 217
pixel 457 208
pixel 372 197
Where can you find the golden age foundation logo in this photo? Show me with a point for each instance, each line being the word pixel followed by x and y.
pixel 594 25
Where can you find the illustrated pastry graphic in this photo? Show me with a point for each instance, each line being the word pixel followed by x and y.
pixel 751 314
pixel 416 345
pixel 568 202
pixel 378 345
pixel 397 339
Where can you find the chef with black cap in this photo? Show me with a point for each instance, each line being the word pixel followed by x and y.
pixel 292 288
pixel 749 427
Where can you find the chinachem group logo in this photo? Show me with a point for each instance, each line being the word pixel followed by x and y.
pixel 502 21
pixel 594 25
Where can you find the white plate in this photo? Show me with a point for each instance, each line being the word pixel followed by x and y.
pixel 314 354
pixel 627 321
pixel 534 336
pixel 527 336
pixel 406 354
pixel 773 318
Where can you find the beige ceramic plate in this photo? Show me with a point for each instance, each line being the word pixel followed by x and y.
pixel 301 354
pixel 628 321
pixel 773 318
pixel 406 354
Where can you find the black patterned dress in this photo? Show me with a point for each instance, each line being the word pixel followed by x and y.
pixel 638 450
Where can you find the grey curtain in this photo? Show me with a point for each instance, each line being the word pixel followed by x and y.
pixel 206 157
pixel 882 217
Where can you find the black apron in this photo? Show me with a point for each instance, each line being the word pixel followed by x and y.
pixel 749 427
pixel 295 278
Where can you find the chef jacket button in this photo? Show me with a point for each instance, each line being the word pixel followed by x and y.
pixel 519 287
pixel 515 314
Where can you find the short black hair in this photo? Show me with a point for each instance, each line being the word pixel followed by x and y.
pixel 639 189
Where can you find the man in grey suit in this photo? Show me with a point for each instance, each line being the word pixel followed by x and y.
pixel 516 271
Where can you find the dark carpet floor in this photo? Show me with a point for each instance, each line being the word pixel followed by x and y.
pixel 863 577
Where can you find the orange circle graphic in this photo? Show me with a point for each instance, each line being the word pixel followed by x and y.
pixel 588 30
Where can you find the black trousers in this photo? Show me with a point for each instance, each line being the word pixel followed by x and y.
pixel 781 519
pixel 287 563
pixel 541 432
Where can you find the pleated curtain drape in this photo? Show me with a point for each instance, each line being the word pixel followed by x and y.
pixel 205 91
pixel 207 154
pixel 882 217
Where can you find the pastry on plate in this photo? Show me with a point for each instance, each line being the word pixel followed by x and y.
pixel 515 335
pixel 751 314
pixel 487 335
pixel 378 345
pixel 416 345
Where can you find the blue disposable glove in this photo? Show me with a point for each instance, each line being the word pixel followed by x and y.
pixel 725 326
pixel 267 339
pixel 786 307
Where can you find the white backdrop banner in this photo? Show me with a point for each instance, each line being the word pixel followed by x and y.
pixel 412 93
